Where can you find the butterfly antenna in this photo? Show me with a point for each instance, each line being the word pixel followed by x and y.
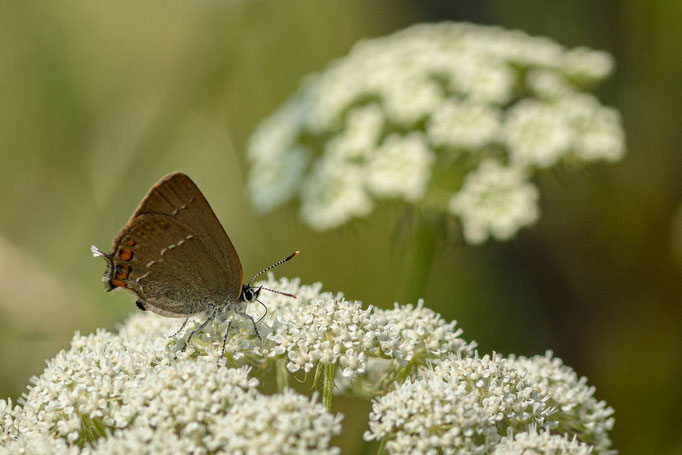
pixel 278 292
pixel 288 258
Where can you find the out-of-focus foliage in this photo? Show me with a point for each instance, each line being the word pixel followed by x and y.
pixel 99 100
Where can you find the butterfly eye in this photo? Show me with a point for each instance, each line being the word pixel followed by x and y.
pixel 247 294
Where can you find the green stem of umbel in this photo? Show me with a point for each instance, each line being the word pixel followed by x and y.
pixel 91 429
pixel 282 375
pixel 329 375
pixel 382 447
pixel 426 241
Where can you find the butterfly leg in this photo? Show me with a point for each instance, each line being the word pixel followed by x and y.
pixel 210 317
pixel 266 311
pixel 227 330
pixel 180 329
pixel 252 321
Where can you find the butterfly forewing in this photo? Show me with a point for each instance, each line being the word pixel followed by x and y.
pixel 176 195
pixel 174 254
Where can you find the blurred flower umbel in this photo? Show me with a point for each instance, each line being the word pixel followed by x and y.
pixel 137 391
pixel 419 116
pixel 495 200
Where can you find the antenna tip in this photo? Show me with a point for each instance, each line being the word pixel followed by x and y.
pixel 291 256
pixel 296 253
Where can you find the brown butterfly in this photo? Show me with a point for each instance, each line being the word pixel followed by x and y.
pixel 175 256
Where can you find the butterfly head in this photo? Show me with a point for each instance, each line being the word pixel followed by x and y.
pixel 249 293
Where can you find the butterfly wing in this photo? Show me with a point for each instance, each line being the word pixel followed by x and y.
pixel 177 196
pixel 173 253
pixel 168 267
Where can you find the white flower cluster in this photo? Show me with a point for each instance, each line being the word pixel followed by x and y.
pixel 575 127
pixel 342 332
pixel 462 405
pixel 579 413
pixel 137 391
pixel 254 424
pixel 37 443
pixel 320 328
pixel 88 383
pixel 243 346
pixel 541 443
pixel 495 200
pixel 128 393
pixel 143 439
pixel 8 428
pixel 283 423
pixel 422 334
pixel 395 117
pixel 327 332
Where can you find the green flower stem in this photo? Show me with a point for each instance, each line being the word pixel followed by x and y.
pixel 329 375
pixel 382 447
pixel 318 372
pixel 426 241
pixel 282 375
pixel 91 429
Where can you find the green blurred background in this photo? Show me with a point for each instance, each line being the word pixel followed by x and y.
pixel 100 99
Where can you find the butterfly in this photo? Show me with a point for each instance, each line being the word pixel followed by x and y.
pixel 175 256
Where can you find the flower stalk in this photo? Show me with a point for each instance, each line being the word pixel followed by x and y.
pixel 329 376
pixel 282 375
pixel 426 235
pixel 382 447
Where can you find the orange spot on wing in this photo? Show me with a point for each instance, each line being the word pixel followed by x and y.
pixel 118 283
pixel 125 254
pixel 131 242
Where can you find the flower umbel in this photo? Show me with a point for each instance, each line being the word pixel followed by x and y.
pixel 495 201
pixel 137 391
pixel 578 412
pixel 416 115
pixel 283 423
pixel 543 442
pixel 461 405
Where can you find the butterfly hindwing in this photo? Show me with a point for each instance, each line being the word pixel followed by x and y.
pixel 168 267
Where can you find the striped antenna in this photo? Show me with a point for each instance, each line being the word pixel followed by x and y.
pixel 277 292
pixel 288 258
